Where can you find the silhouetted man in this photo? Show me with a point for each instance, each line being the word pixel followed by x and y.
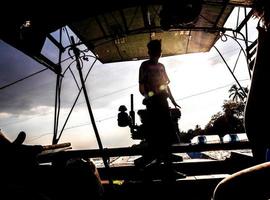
pixel 153 85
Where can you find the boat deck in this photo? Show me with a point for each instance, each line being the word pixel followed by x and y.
pixel 192 187
pixel 204 165
pixel 203 175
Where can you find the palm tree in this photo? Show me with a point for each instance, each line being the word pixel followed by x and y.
pixel 238 94
pixel 234 93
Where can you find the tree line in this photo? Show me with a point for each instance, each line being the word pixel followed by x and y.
pixel 228 121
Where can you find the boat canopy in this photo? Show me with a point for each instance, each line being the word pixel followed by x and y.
pixel 119 31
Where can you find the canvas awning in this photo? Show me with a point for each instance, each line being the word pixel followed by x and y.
pixel 120 32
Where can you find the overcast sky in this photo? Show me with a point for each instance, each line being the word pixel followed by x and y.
pixel 199 82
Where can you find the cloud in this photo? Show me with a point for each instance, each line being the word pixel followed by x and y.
pixel 28 94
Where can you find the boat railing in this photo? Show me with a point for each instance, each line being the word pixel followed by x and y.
pixel 137 150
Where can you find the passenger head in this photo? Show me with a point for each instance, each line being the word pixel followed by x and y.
pixel 154 48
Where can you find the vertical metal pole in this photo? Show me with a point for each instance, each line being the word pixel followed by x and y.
pixel 57 94
pixel 56 109
pixel 132 113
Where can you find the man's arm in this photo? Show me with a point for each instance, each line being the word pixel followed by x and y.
pixel 142 79
pixel 171 98
pixel 141 88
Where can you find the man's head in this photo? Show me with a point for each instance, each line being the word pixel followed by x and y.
pixel 154 48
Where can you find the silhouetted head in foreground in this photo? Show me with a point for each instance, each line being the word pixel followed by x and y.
pixel 154 48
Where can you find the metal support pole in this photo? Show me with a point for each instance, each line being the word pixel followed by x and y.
pixel 77 57
pixel 132 113
pixel 57 106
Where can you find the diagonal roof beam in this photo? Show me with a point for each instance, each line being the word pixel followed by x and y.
pixel 244 22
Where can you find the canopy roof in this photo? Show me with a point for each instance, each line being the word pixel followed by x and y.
pixel 120 32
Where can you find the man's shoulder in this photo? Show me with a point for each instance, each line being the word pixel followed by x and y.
pixel 144 65
pixel 146 62
pixel 161 64
pixel 149 63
